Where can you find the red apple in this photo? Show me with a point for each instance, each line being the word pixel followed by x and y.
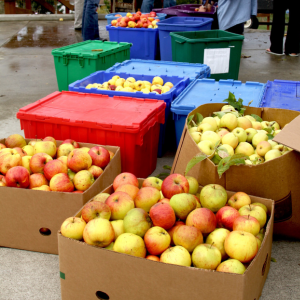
pixel 146 198
pixel 2 146
pixel 246 223
pixel 173 229
pixel 9 160
pixel 152 14
pixel 100 156
pixel 145 25
pixel 188 237
pixel 139 24
pixel 152 257
pixel 130 189
pixel 17 177
pixel 72 142
pixel 79 160
pixel 38 161
pixel 96 171
pixel 61 183
pixel 20 151
pixel 157 240
pixel 174 184
pixel 164 200
pixel 95 209
pixel 50 138
pixel 15 140
pixel 226 216
pixel 37 180
pixel 163 215
pixel 114 22
pixel 125 178
pixel 54 167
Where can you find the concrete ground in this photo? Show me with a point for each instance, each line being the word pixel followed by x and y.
pixel 27 74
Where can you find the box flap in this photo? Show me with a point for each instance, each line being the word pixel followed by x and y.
pixel 290 135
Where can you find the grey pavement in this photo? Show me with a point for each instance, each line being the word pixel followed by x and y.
pixel 27 74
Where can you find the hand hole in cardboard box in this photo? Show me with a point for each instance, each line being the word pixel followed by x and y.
pixel 102 295
pixel 264 266
pixel 45 231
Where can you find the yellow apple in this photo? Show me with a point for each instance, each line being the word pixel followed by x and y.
pixel 157 80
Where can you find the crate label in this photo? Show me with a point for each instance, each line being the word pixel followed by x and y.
pixel 217 60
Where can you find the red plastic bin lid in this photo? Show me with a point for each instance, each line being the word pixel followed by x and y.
pixel 122 114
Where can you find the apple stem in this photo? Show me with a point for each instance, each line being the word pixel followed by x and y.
pixel 250 206
pixel 211 244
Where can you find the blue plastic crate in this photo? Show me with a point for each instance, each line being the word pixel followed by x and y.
pixel 282 94
pixel 111 17
pixel 167 129
pixel 144 40
pixel 158 68
pixel 204 91
pixel 178 24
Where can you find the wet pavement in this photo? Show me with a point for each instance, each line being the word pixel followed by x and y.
pixel 27 74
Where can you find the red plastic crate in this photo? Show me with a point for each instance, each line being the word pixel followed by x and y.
pixel 130 123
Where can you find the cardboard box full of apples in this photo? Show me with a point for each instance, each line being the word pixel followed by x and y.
pixel 173 233
pixel 43 181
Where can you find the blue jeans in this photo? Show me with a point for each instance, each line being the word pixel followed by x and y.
pixel 90 29
pixel 148 5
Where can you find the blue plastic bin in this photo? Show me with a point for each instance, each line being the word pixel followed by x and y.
pixel 158 68
pixel 204 91
pixel 111 17
pixel 282 94
pixel 178 24
pixel 144 40
pixel 167 129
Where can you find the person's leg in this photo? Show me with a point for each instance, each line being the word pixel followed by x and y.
pixel 293 33
pixel 79 4
pixel 169 3
pixel 147 6
pixel 238 29
pixel 277 31
pixel 90 30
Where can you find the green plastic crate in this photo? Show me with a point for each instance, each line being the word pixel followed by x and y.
pixel 218 49
pixel 78 61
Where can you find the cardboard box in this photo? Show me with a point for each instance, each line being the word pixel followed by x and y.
pixel 277 179
pixel 88 272
pixel 24 212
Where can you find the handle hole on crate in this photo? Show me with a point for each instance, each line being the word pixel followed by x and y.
pixel 264 266
pixel 102 295
pixel 45 231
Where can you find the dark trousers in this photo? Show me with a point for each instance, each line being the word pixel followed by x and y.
pixel 238 29
pixel 90 29
pixel 277 32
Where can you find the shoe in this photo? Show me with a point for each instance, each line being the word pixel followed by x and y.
pixel 103 40
pixel 270 52
pixel 77 28
pixel 293 55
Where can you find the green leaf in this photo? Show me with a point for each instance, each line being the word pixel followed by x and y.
pixel 189 119
pixel 273 259
pixel 167 167
pixel 242 111
pixel 223 153
pixel 231 96
pixel 257 118
pixel 270 136
pixel 199 118
pixel 268 129
pixel 227 162
pixel 194 124
pixel 250 103
pixel 196 159
pixel 219 114
pixel 162 175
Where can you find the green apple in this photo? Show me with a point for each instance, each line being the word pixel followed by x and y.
pixel 211 136
pixel 229 121
pixel 217 238
pixel 244 148
pixel 196 136
pixel 256 159
pixel 263 147
pixel 206 256
pixel 272 143
pixel 240 133
pixel 244 123
pixel 228 107
pixel 183 204
pixel 211 121
pixel 259 137
pixel 193 129
pixel 250 134
pixel 254 211
pixel 276 132
pixel 193 184
pixel 274 125
pixel 256 125
pixel 226 147
pixel 207 147
pixel 213 197
pixel 218 121
pixel 274 153
pixel 230 139
pixel 231 266
pixel 204 127
pixel 222 132
pixel 250 118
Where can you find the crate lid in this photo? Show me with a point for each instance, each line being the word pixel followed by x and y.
pixel 158 68
pixel 122 114
pixel 282 94
pixel 203 91
pixel 90 49
pixel 183 22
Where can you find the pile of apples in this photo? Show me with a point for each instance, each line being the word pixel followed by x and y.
pixel 131 85
pixel 41 165
pixel 168 221
pixel 218 137
pixel 137 20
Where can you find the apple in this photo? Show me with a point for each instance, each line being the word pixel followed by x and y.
pixel 193 129
pixel 226 217
pixel 20 151
pixel 54 167
pixel 157 80
pixel 244 123
pixel 261 205
pixel 72 142
pixel 95 171
pixel 183 204
pixel 152 182
pixel 146 198
pixel 157 240
pixel 276 132
pixel 164 89
pixel 254 211
pixel 211 136
pixel 111 154
pixel 64 149
pixel 188 237
pixel 203 219
pixel 37 180
pixel 137 221
pixel 231 266
pixel 61 183
pixel 118 226
pixel 9 160
pixel 79 160
pixel 257 125
pixel 43 188
pixel 71 175
pixel 250 132
pixel 229 121
pixel 244 148
pixel 101 197
pixel 83 180
pixel 222 132
pixel 259 137
pixel 95 209
pixel 45 147
pixel 164 200
pixel 2 146
pixel 28 149
pixel 38 161
pixel 272 143
pixel 130 189
pixel 207 147
pixel 246 223
pixel 114 22
pixel 152 257
pixel 230 139
pixel 263 147
pixel 15 140
pixel 110 246
pixel 163 215
pixel 203 127
pixel 193 185
pixel 198 201
pixel 213 197
pixel 211 121
pixel 98 232
pixel 120 204
pixel 256 159
pixel 50 139
pixel 25 163
pixel 241 245
pixel 100 156
pixel 73 228
pixel 17 177
pixel 206 256
pixel 239 200
pixel 131 244
pixel 217 238
pixel 174 184
pixel 272 154
pixel 125 178
pixel 32 143
pixel 177 255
